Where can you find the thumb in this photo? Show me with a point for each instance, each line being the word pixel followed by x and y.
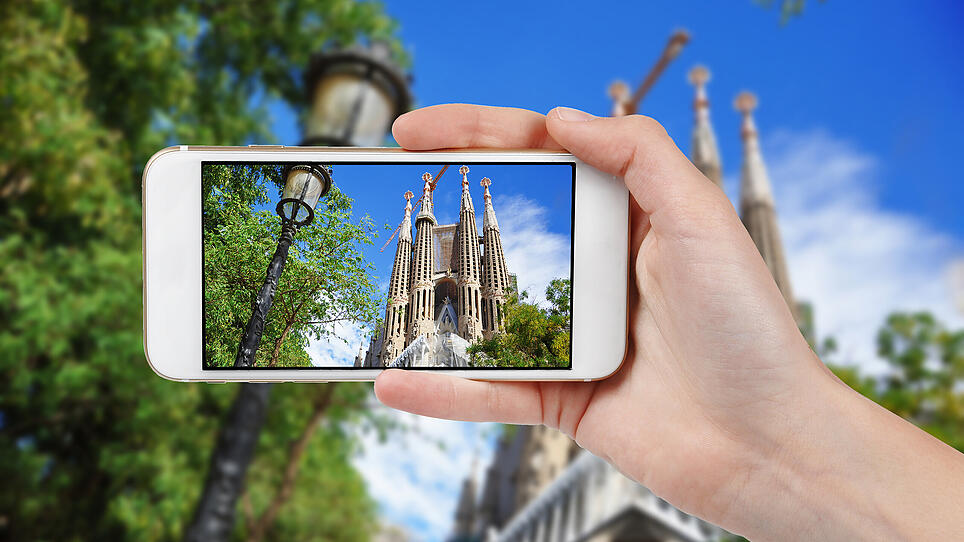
pixel 637 149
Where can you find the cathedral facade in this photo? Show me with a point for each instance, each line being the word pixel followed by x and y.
pixel 447 289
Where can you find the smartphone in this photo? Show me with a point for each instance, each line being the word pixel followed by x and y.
pixel 276 264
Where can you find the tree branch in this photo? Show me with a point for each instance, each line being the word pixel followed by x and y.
pixel 277 344
pixel 268 517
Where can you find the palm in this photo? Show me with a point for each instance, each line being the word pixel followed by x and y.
pixel 679 393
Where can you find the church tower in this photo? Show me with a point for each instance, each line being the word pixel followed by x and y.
pixel 466 509
pixel 495 284
pixel 360 358
pixel 545 454
pixel 395 327
pixel 469 266
pixel 756 201
pixel 704 151
pixel 422 295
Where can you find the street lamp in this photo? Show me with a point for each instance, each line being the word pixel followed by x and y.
pixel 304 186
pixel 355 95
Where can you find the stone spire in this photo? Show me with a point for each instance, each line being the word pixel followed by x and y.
pixel 360 358
pixel 495 280
pixel 425 211
pixel 465 511
pixel 469 266
pixel 405 230
pixel 395 326
pixel 422 292
pixel 705 153
pixel 756 201
pixel 488 218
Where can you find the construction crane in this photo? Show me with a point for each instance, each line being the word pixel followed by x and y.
pixel 619 91
pixel 431 188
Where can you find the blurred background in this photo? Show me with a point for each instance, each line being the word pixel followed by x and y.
pixel 858 115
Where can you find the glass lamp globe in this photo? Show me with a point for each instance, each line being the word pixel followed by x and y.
pixel 304 186
pixel 355 95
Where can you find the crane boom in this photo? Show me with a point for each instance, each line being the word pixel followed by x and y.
pixel 432 186
pixel 676 42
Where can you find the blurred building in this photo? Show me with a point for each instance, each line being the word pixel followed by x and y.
pixel 541 487
pixel 447 289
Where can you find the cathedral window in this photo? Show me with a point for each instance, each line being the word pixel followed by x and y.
pixel 485 321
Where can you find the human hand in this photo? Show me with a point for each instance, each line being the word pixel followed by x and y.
pixel 719 390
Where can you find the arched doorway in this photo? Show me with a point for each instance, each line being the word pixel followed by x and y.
pixel 446 288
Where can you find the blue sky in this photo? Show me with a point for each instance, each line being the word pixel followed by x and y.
pixel 378 191
pixel 532 202
pixel 860 117
pixel 884 73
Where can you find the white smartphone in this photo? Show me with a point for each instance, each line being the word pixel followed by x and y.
pixel 270 263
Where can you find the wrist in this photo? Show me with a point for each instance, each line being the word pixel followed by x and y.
pixel 849 469
pixel 810 483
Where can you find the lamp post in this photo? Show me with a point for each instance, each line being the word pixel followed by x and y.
pixel 355 95
pixel 304 186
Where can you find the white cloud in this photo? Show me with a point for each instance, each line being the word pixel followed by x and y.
pixel 340 347
pixel 416 476
pixel 852 259
pixel 532 252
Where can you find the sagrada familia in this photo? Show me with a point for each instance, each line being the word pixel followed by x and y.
pixel 541 486
pixel 445 292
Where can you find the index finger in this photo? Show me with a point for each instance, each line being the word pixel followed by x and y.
pixel 459 126
pixel 452 398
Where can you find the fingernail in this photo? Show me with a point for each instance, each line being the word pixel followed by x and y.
pixel 571 115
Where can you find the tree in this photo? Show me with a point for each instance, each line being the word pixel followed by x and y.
pixel 93 445
pixel 925 384
pixel 532 336
pixel 326 280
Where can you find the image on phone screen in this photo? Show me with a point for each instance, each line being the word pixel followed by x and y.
pixel 376 265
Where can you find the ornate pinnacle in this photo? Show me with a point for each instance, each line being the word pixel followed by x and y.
pixel 464 171
pixel 485 183
pixel 745 102
pixel 426 199
pixel 406 226
pixel 619 91
pixel 699 75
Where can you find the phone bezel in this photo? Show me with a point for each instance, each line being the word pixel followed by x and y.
pixel 173 343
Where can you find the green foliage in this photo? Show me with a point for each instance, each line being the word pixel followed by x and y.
pixel 93 445
pixel 925 384
pixel 533 336
pixel 788 8
pixel 325 281
pixel 329 500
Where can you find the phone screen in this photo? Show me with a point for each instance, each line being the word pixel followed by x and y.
pixel 374 265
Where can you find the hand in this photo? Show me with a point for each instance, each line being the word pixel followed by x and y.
pixel 720 404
